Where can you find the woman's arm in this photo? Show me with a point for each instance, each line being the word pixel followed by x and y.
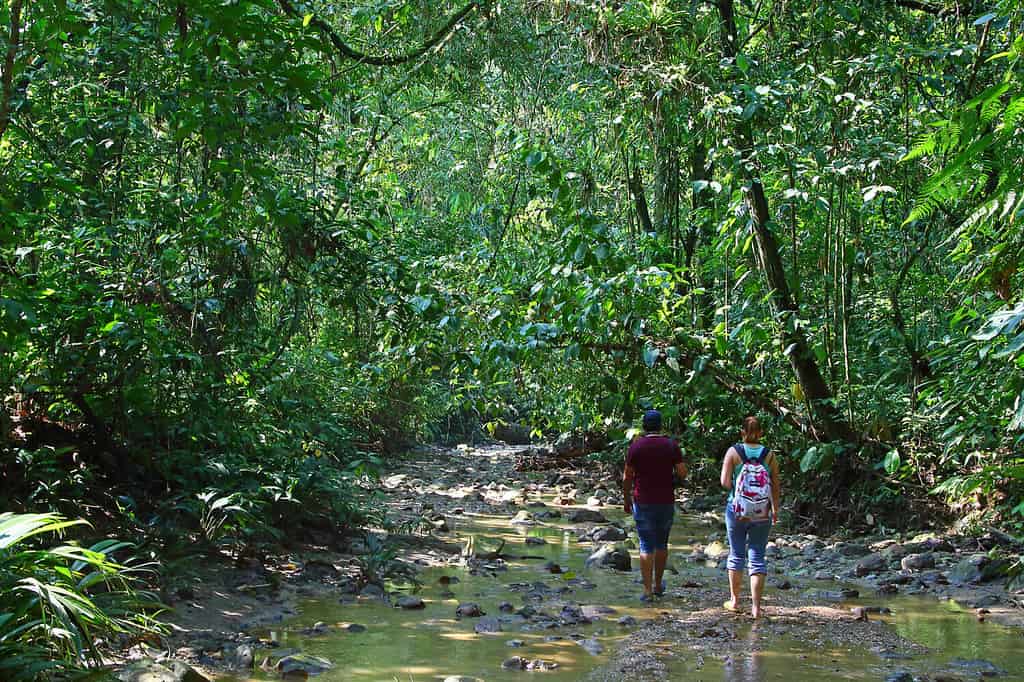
pixel 776 488
pixel 727 466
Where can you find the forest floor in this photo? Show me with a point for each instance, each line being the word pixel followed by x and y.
pixel 490 517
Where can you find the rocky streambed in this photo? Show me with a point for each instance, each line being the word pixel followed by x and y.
pixel 533 573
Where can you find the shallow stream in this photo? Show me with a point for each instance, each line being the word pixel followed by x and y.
pixel 432 644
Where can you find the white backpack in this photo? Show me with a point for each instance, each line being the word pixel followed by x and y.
pixel 752 495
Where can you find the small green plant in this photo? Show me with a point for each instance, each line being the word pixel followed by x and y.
pixel 379 564
pixel 57 600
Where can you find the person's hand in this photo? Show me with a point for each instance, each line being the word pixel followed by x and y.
pixel 628 508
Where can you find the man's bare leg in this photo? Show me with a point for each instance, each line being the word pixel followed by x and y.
pixel 660 559
pixel 756 590
pixel 646 569
pixel 735 589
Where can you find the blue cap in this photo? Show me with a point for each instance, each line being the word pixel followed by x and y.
pixel 652 420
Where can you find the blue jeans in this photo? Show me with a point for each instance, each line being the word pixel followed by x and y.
pixel 747 540
pixel 653 524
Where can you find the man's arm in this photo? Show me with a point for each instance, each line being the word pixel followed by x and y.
pixel 681 471
pixel 627 488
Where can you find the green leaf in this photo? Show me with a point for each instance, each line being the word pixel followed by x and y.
pixel 651 355
pixel 892 461
pixel 306 19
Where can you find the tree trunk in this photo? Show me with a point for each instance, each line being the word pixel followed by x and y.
pixel 828 422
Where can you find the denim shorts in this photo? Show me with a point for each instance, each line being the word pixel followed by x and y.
pixel 747 543
pixel 653 524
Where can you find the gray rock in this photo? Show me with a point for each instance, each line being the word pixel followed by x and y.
pixel 627 621
pixel 354 628
pixel 985 601
pixel 917 562
pixel 523 518
pixel 533 540
pixel 165 671
pixel 899 676
pixel 834 595
pixel 303 663
pixel 968 570
pixel 506 607
pixel 469 610
pixel 591 646
pixel 852 549
pixel 487 624
pixel 520 663
pixel 515 643
pixel 410 603
pixel 586 516
pixel 243 657
pixel 611 555
pixel 372 591
pixel 513 433
pixel 593 501
pixel 872 563
pixel 607 534
pixel 976 666
pixel 595 612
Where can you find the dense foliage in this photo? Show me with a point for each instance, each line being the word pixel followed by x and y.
pixel 57 602
pixel 249 248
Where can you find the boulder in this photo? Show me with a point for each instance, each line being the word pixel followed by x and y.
pixel 918 562
pixel 410 603
pixel 512 433
pixel 244 657
pixel 487 624
pixel 969 570
pixel 165 671
pixel 586 516
pixel 607 534
pixel 872 563
pixel 976 667
pixel 523 518
pixel 520 663
pixel 469 610
pixel 612 555
pixel 303 663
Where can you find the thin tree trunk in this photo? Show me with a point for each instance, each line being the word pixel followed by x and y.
pixel 10 57
pixel 827 421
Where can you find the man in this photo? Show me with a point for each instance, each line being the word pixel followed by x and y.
pixel 648 494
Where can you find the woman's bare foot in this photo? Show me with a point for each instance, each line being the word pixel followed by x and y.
pixel 731 605
pixel 757 613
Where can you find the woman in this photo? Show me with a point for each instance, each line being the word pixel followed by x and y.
pixel 751 473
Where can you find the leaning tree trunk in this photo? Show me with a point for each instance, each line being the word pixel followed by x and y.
pixel 828 422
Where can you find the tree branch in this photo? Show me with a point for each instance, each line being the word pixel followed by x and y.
pixel 380 60
pixel 925 7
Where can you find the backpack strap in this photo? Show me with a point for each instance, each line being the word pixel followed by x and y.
pixel 742 452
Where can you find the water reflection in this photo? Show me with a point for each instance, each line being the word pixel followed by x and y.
pixel 746 666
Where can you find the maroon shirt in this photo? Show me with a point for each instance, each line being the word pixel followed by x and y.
pixel 653 458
